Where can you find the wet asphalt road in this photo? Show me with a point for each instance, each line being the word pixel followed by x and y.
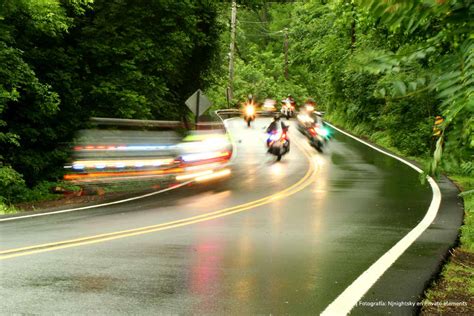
pixel 292 255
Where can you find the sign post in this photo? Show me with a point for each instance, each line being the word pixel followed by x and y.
pixel 196 119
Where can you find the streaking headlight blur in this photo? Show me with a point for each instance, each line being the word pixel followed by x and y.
pixel 101 164
pixel 204 143
pixel 214 175
pixel 193 175
pixel 203 156
pixel 219 142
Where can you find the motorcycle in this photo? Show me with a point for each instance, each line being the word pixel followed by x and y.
pixel 278 143
pixel 249 114
pixel 288 109
pixel 317 134
pixel 317 137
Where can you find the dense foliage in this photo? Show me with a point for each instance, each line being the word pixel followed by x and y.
pixel 64 61
pixel 384 69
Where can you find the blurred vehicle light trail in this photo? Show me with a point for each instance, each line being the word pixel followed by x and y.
pixel 116 156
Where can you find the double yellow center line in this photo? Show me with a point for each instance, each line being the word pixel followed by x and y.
pixel 307 179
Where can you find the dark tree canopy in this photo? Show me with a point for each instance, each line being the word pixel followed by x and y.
pixel 65 61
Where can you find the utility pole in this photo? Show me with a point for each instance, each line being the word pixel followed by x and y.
pixel 353 27
pixel 230 92
pixel 286 52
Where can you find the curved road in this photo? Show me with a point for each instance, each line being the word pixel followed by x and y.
pixel 274 238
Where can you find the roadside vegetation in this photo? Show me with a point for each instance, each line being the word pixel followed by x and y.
pixel 382 69
pixel 455 287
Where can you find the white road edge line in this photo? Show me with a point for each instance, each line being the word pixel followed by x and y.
pixel 344 303
pixel 115 202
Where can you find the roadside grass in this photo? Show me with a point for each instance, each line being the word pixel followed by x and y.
pixel 466 184
pixel 40 193
pixel 453 292
pixel 7 209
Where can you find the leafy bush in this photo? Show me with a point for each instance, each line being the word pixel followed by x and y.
pixel 7 209
pixel 11 184
pixel 41 191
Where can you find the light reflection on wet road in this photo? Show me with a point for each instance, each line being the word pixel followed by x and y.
pixel 294 255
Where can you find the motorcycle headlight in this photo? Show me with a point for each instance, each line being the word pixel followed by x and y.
pixel 323 132
pixel 275 136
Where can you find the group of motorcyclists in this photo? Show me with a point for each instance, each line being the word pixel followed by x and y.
pixel 288 107
pixel 309 124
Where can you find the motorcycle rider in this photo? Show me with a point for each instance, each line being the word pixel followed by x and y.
pixel 275 126
pixel 250 100
pixel 289 100
pixel 249 110
pixel 310 105
pixel 288 106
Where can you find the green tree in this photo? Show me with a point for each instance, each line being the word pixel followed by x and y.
pixel 439 32
pixel 64 61
pixel 143 58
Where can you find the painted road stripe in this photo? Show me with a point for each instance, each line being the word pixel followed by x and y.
pixel 307 179
pixel 344 303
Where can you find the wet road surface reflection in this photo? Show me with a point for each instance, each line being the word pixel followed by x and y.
pixel 291 256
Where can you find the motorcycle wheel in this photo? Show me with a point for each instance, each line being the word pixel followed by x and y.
pixel 278 157
pixel 248 123
pixel 319 146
